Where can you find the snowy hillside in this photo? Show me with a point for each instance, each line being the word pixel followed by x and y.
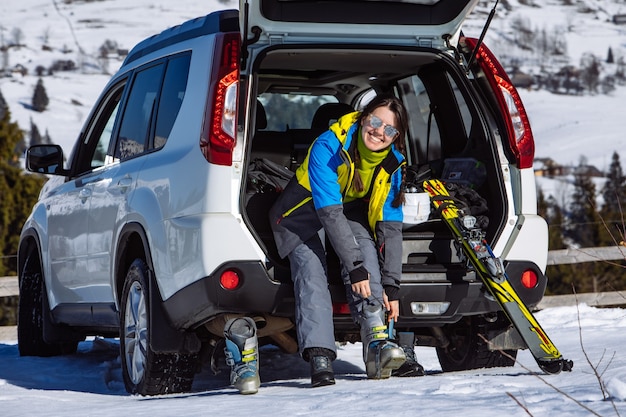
pixel 49 31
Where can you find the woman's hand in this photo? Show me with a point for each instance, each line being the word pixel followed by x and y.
pixel 393 308
pixel 362 288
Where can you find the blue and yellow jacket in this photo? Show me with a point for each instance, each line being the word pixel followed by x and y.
pixel 315 196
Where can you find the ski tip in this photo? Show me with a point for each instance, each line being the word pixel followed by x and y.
pixel 556 366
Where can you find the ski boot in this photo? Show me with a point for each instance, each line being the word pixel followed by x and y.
pixel 242 354
pixel 321 366
pixel 411 367
pixel 381 356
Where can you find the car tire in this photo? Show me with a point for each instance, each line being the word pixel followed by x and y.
pixel 468 350
pixel 144 371
pixel 33 311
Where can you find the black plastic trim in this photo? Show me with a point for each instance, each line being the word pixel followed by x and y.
pixel 206 298
pixel 530 296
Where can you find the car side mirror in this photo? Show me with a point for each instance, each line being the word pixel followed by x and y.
pixel 45 159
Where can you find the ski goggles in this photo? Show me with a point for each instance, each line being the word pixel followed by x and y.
pixel 388 130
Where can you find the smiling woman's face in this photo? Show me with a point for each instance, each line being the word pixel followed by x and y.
pixel 375 138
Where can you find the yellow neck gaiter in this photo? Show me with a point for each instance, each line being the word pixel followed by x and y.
pixel 368 162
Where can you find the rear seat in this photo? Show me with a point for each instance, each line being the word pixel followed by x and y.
pixel 301 139
pixel 289 148
pixel 273 145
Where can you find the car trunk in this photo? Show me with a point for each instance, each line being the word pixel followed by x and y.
pixel 449 135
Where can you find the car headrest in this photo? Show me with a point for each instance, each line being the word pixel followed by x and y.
pixel 327 113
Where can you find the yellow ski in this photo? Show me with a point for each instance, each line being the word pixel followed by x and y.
pixel 491 270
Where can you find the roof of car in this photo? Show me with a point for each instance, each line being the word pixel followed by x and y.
pixel 220 21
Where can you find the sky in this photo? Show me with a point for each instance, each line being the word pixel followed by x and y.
pixel 89 383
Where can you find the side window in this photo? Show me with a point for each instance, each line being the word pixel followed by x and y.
pixel 291 111
pixel 102 147
pixel 440 118
pixel 423 128
pixel 140 106
pixel 174 86
pixel 95 146
pixel 466 115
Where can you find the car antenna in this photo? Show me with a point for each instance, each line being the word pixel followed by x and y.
pixel 482 35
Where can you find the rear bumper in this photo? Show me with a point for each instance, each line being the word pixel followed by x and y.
pixel 204 299
pixel 259 293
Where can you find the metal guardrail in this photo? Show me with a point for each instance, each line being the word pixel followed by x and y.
pixel 580 255
pixel 8 287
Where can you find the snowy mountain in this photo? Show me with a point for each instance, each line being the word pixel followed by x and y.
pixel 37 35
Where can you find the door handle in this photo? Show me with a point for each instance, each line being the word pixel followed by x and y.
pixel 84 194
pixel 124 183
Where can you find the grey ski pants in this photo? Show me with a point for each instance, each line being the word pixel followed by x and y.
pixel 314 313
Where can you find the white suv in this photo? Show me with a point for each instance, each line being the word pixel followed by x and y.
pixel 155 229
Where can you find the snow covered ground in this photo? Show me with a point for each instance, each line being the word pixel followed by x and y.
pixel 89 383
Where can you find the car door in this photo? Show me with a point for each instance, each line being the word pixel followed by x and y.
pixel 69 210
pixel 67 217
pixel 116 179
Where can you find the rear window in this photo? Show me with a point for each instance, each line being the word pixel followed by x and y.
pixel 171 99
pixel 389 12
pixel 440 119
pixel 291 111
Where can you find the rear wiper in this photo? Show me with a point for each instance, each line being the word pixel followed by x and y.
pixel 482 35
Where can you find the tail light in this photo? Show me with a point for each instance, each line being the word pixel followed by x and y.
pixel 529 279
pixel 229 280
pixel 521 141
pixel 341 308
pixel 220 125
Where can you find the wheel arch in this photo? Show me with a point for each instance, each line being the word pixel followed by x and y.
pixel 29 241
pixel 133 244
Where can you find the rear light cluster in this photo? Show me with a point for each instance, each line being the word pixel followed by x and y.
pixel 529 279
pixel 230 280
pixel 341 308
pixel 220 126
pixel 521 140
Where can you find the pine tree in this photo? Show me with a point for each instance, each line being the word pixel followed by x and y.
pixel 18 191
pixel 40 97
pixel 583 216
pixel 584 231
pixel 4 107
pixel 559 277
pixel 614 195
pixel 35 136
pixel 46 138
pixel 611 276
